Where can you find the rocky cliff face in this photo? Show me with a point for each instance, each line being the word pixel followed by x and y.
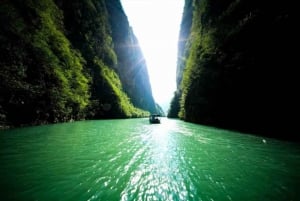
pixel 131 64
pixel 60 60
pixel 237 67
pixel 183 51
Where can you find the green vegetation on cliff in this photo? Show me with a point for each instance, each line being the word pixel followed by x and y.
pixel 183 51
pixel 131 64
pixel 58 63
pixel 237 68
pixel 42 76
pixel 89 29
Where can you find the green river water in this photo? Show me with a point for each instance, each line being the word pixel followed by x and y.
pixel 132 160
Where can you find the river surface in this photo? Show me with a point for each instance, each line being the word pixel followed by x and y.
pixel 132 160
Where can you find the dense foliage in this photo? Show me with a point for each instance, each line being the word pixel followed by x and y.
pixel 131 64
pixel 183 50
pixel 238 72
pixel 42 77
pixel 58 63
pixel 174 105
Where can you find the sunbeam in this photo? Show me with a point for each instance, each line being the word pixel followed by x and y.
pixel 156 25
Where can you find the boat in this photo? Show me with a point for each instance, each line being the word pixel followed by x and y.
pixel 154 119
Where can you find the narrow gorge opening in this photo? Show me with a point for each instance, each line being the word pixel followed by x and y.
pixel 156 25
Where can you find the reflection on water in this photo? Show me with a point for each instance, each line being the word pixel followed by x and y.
pixel 134 160
pixel 158 177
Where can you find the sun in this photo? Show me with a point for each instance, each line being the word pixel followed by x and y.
pixel 156 24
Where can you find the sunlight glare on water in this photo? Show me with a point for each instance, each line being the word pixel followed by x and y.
pixel 154 178
pixel 134 160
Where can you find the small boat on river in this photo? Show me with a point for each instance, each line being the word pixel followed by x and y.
pixel 154 119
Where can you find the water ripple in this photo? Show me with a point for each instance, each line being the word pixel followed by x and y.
pixel 134 160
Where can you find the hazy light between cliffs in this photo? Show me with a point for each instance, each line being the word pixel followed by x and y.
pixel 156 25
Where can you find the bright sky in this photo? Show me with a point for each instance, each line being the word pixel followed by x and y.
pixel 156 24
